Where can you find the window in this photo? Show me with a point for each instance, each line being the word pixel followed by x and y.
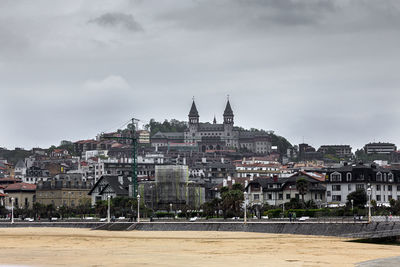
pixel 256 196
pixel 349 187
pixel 398 188
pixel 378 187
pixel 336 187
pixel 348 176
pixel 390 197
pixel 287 196
pixel 336 198
pixel 359 186
pixel 336 177
pixel 390 188
pixel 378 197
pixel 328 193
pixel 269 196
pixel 379 177
pixel 390 176
pixel 280 196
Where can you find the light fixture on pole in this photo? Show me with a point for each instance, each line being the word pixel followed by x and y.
pixel 12 210
pixel 369 191
pixel 108 209
pixel 170 208
pixel 352 205
pixel 245 207
pixel 138 206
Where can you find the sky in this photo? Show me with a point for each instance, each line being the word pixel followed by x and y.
pixel 318 71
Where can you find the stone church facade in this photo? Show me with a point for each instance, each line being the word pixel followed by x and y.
pixel 224 136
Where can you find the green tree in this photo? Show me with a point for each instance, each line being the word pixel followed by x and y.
pixel 302 187
pixel 359 198
pixel 231 201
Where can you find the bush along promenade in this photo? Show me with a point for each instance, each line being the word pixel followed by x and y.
pixel 229 206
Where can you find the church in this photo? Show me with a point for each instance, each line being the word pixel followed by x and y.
pixel 206 136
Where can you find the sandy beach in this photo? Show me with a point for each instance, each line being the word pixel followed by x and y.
pixel 83 247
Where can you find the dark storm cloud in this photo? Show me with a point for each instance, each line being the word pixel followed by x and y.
pixel 126 21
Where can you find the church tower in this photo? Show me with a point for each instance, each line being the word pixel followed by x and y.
pixel 193 124
pixel 193 115
pixel 228 114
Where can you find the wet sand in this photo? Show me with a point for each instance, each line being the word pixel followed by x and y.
pixel 83 247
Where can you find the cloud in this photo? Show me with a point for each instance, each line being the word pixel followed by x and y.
pixel 258 14
pixel 110 83
pixel 126 21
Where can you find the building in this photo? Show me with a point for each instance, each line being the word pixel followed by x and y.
pixel 257 167
pixel 2 196
pixel 20 169
pixel 277 191
pixel 338 150
pixel 109 185
pixel 384 182
pixel 380 148
pixel 143 137
pixel 172 186
pixel 9 180
pixel 23 194
pixel 67 193
pixel 210 137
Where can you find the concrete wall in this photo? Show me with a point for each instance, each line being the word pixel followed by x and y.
pixel 358 230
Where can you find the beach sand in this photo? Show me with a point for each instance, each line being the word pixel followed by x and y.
pixel 83 247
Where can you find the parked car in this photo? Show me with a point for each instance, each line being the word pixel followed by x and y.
pixel 193 219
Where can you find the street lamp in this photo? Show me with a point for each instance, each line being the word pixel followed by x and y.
pixel 108 209
pixel 369 202
pixel 138 205
pixel 245 207
pixel 12 210
pixel 170 207
pixel 352 205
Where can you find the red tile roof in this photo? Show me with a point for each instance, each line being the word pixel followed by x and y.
pixel 21 186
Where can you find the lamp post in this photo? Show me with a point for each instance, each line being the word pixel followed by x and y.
pixel 170 207
pixel 369 202
pixel 352 206
pixel 108 208
pixel 138 210
pixel 12 210
pixel 245 207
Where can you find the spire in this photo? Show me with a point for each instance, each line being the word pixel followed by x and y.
pixel 228 110
pixel 193 111
pixel 215 120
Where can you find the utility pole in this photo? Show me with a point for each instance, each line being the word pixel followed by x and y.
pixel 133 140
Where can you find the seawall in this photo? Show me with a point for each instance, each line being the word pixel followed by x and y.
pixel 357 230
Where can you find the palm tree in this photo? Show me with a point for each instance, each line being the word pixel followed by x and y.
pixel 302 187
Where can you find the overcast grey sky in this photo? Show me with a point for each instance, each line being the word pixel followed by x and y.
pixel 324 70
